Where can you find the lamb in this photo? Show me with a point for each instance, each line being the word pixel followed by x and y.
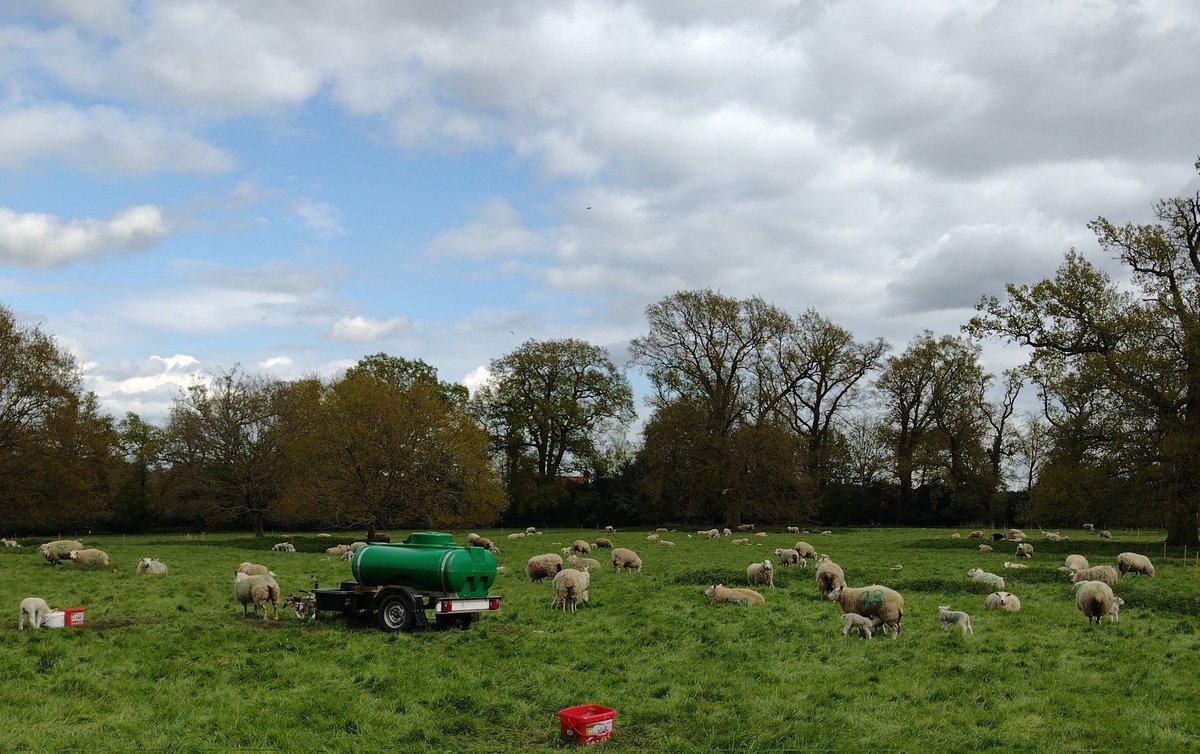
pixel 1089 527
pixel 338 550
pixel 726 532
pixel 579 563
pixel 1115 610
pixel 1024 550
pixel 985 548
pixel 864 624
pixel 356 546
pixel 741 541
pixel 1095 599
pixel 826 532
pixel 719 593
pixel 152 566
pixel 806 550
pixel 609 530
pixel 946 616
pixel 348 555
pixel 604 544
pixel 1014 565
pixel 543 566
pixel 258 590
pixel 90 557
pixel 652 538
pixel 570 587
pixel 1104 573
pixel 955 535
pixel 517 535
pixel 1105 534
pixel 33 609
pixel 325 535
pixel 977 534
pixel 761 573
pixel 253 569
pixel 1006 601
pixel 874 601
pixel 581 547
pixel 980 576
pixel 789 557
pixel 10 542
pixel 59 549
pixel 793 530
pixel 284 547
pixel 760 534
pixel 1131 562
pixel 665 543
pixel 1075 563
pixel 626 559
pixel 829 576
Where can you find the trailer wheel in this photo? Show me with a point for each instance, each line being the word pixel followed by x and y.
pixel 395 613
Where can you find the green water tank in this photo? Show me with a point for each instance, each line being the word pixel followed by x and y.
pixel 426 561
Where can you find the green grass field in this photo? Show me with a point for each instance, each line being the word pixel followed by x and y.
pixel 168 663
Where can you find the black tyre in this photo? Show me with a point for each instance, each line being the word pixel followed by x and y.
pixel 395 613
pixel 462 621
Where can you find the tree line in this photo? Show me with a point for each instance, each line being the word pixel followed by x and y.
pixel 756 415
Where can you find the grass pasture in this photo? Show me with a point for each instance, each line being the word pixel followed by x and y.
pixel 168 663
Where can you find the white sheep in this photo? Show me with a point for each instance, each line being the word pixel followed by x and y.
pixel 603 544
pixel 517 535
pixel 1115 610
pixel 356 546
pixel 789 557
pixel 531 530
pixel 946 616
pixel 761 573
pixel 826 532
pixel 32 609
pixel 284 547
pixel 807 551
pixel 652 538
pixel 337 550
pixel 325 535
pixel 1089 527
pixel 661 529
pixel 726 532
pixel 955 535
pixel 760 534
pixel 980 576
pixel 1132 562
pixel 1104 573
pixel 625 559
pixel 545 566
pixel 10 542
pixel 829 576
pixel 579 563
pixel 1105 534
pixel 1075 563
pixel 1024 550
pixel 1014 566
pixel 665 543
pixel 609 529
pixel 1006 601
pixel 873 601
pixel 985 548
pixel 581 547
pixel 719 593
pixel 152 566
pixel 59 549
pixel 253 569
pixel 740 541
pixel 793 530
pixel 474 540
pixel 348 555
pixel 977 534
pixel 1095 599
pixel 256 590
pixel 570 587
pixel 90 557
pixel 864 624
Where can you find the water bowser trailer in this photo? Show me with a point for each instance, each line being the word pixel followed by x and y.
pixel 426 572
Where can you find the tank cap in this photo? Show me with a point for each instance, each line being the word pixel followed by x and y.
pixel 429 538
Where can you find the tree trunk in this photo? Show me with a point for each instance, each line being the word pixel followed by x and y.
pixel 258 525
pixel 1181 528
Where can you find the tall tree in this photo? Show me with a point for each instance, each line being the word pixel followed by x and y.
pixel 1141 347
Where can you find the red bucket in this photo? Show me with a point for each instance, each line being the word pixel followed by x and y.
pixel 586 723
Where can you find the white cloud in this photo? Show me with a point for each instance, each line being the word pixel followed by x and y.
pixel 178 361
pixel 360 329
pixel 276 362
pixel 322 218
pixel 496 231
pixel 476 378
pixel 35 240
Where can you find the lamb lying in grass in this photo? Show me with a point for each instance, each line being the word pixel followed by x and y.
pixel 719 593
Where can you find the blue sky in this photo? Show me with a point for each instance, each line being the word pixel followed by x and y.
pixel 289 186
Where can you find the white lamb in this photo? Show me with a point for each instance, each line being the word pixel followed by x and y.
pixel 864 624
pixel 33 609
pixel 284 547
pixel 946 616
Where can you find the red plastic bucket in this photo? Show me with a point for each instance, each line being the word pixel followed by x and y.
pixel 586 723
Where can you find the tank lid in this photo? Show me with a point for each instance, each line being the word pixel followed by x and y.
pixel 429 538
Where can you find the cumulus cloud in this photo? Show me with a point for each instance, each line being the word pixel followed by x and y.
pixel 35 240
pixel 497 230
pixel 476 378
pixel 360 329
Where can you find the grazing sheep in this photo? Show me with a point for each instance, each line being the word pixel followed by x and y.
pixel 874 601
pixel 581 563
pixel 603 544
pixel 517 535
pixel 1104 573
pixel 531 530
pixel 284 547
pixel 32 609
pixel 740 541
pixel 10 542
pixel 719 593
pixel 581 547
pixel 652 538
pixel 665 543
pixel 323 535
pixel 789 557
pixel 1105 534
pixel 955 535
pixel 1014 565
pixel 793 530
pixel 1095 599
pixel 977 534
pixel 152 566
pixel 473 540
pixel 1075 563
pixel 807 551
pixel 256 590
pixel 625 559
pixel 1024 550
pixel 864 624
pixel 356 546
pixel 544 566
pixel 1089 527
pixel 59 549
pixel 980 576
pixel 90 557
pixel 338 550
pixel 985 548
pixel 710 533
pixel 829 576
pixel 488 545
pixel 946 616
pixel 1115 610
pixel 1131 562
pixel 570 587
pixel 609 530
pixel 348 555
pixel 826 532
pixel 1006 601
pixel 761 573
pixel 661 529
pixel 253 569
pixel 726 532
